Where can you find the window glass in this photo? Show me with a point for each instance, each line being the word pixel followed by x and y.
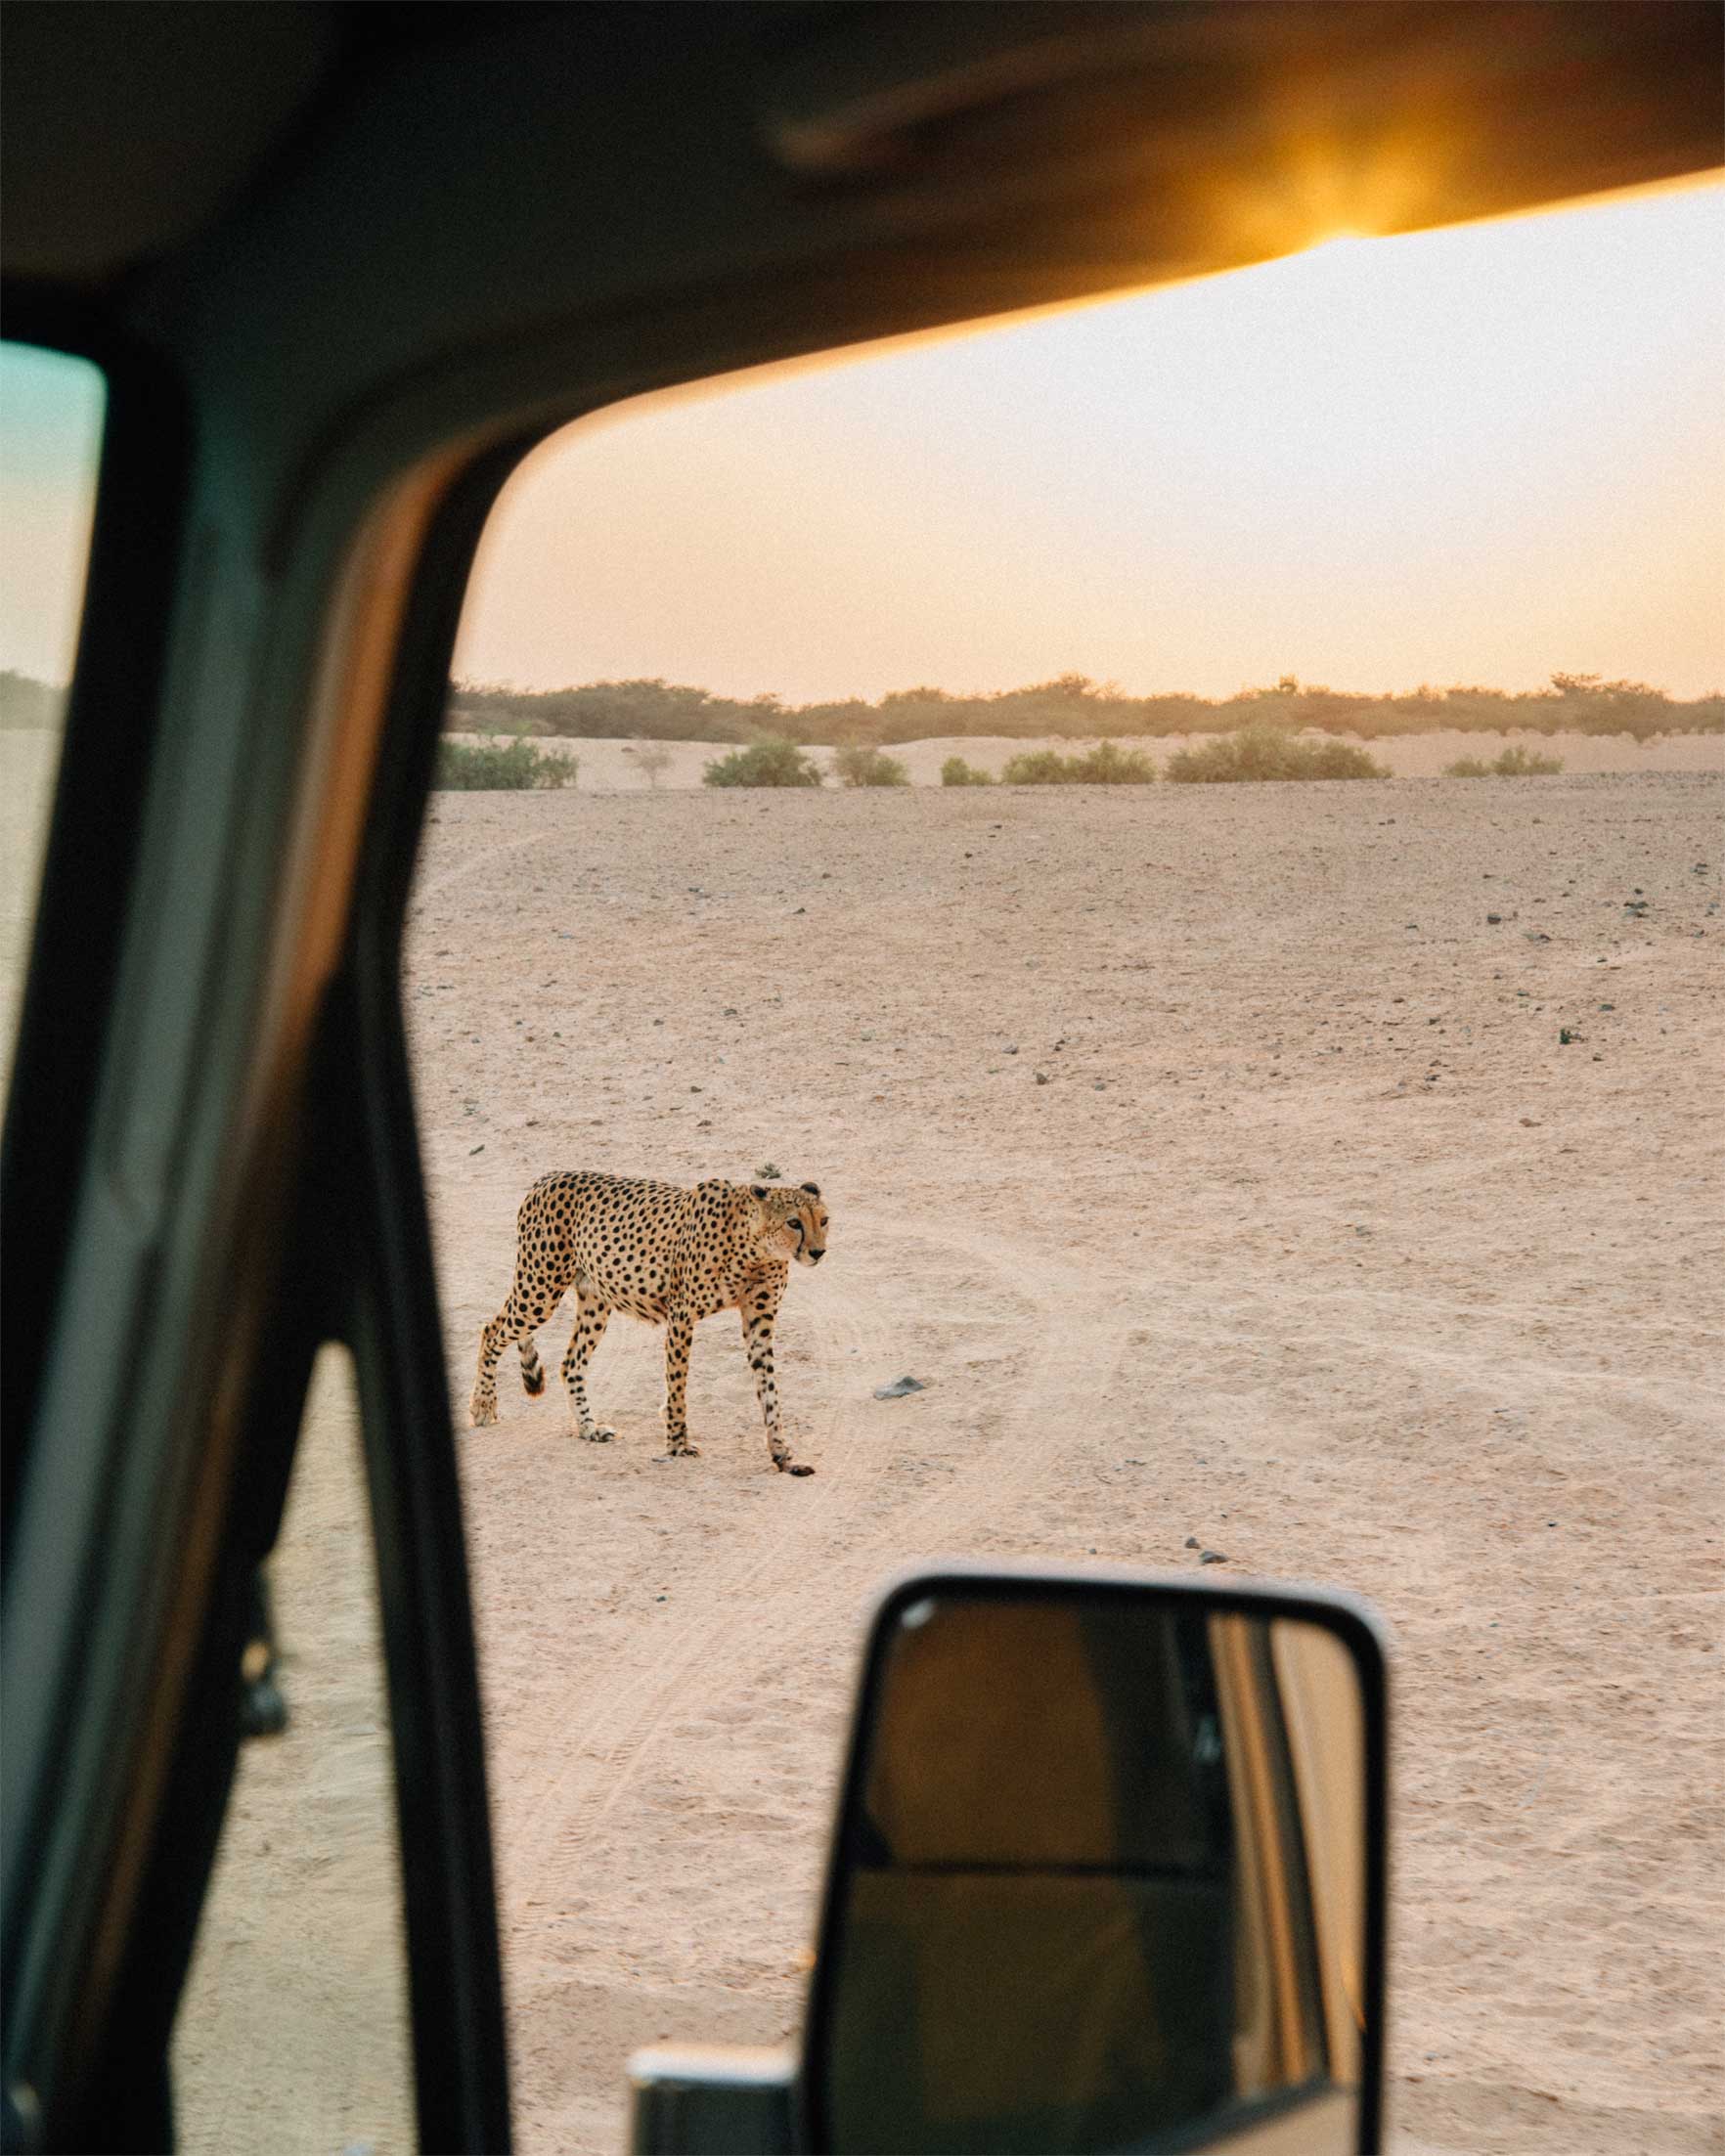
pixel 293 2031
pixel 1303 1163
pixel 51 412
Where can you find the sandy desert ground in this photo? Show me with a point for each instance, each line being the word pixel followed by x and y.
pixel 1315 1244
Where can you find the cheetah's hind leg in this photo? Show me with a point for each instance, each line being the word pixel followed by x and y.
pixel 482 1406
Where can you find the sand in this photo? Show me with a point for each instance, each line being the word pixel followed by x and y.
pixel 1315 1245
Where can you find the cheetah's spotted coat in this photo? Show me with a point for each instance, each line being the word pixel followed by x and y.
pixel 657 1252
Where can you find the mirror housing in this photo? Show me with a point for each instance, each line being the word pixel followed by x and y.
pixel 1109 1872
pixel 711 2100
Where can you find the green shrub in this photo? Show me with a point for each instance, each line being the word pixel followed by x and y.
pixel 955 771
pixel 499 766
pixel 770 762
pixel 1268 752
pixel 1512 764
pixel 860 766
pixel 1037 768
pixel 1109 765
pixel 1106 765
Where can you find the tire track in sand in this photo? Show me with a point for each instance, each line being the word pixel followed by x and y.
pixel 1065 1381
pixel 619 1720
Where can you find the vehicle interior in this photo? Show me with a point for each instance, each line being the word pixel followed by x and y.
pixel 341 267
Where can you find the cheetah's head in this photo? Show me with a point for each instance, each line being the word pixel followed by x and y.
pixel 793 1222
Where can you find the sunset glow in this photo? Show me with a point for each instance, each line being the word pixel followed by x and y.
pixel 1474 455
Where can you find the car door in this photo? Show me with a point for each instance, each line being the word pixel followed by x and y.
pixel 337 269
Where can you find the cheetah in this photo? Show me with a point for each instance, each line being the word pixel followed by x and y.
pixel 661 1252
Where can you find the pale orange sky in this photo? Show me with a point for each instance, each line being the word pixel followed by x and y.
pixel 1473 456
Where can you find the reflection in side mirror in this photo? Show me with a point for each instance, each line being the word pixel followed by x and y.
pixel 1108 1875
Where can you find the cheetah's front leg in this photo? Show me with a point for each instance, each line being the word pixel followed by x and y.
pixel 679 1339
pixel 590 1318
pixel 757 1326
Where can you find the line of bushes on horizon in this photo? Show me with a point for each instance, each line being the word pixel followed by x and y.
pixel 1075 708
pixel 1252 753
pixel 1072 707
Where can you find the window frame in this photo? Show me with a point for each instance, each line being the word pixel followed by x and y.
pixel 120 1761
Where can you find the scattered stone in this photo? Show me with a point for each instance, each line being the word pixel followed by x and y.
pixel 1567 1036
pixel 1011 1049
pixel 899 1387
pixel 1042 1077
pixel 771 1172
pixel 1495 918
pixel 472 1149
pixel 1212 1556
pixel 1191 1542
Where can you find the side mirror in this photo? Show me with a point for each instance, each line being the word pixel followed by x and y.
pixel 1109 1874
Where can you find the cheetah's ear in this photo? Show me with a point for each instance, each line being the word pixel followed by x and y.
pixel 758 1190
pixel 814 1188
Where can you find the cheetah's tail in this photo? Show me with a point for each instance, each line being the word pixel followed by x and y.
pixel 532 1370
